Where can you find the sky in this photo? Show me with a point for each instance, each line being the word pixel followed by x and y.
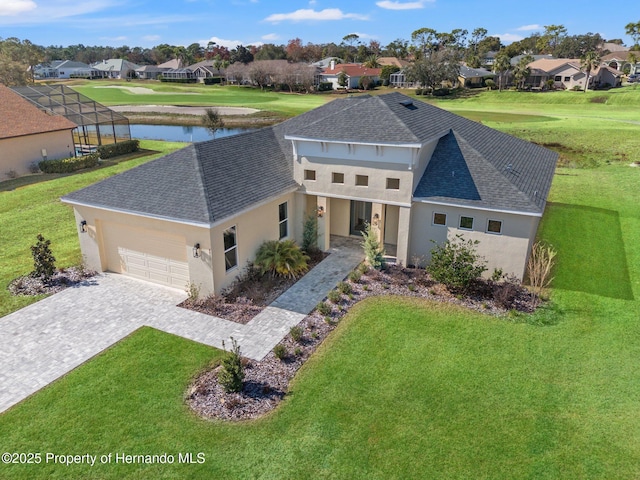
pixel 146 23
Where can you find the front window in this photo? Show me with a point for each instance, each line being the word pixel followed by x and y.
pixel 310 175
pixel 230 248
pixel 393 184
pixel 494 226
pixel 362 180
pixel 466 223
pixel 283 219
pixel 439 218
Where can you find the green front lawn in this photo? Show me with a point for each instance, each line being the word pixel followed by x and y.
pixel 402 389
pixel 31 205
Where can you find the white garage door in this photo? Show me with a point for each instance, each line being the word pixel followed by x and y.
pixel 147 254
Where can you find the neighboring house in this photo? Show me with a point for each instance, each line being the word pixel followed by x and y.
pixel 415 172
pixel 65 69
pixel 353 71
pixel 153 72
pixel 392 61
pixel 28 135
pixel 489 58
pixel 566 73
pixel 326 62
pixel 620 61
pixel 474 77
pixel 605 76
pixel 399 80
pixel 116 68
pixel 207 69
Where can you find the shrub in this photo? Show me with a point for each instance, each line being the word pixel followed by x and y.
pixel 355 276
pixel 344 288
pixel 68 165
pixel 325 86
pixel 455 263
pixel 323 308
pixel 372 248
pixel 491 85
pixel 418 91
pixel 193 291
pixel 310 233
pixel 212 121
pixel 334 296
pixel 44 263
pixel 441 92
pixel 281 258
pixel 297 352
pixel 505 293
pixel 231 374
pixel 539 266
pixel 296 333
pixel 117 149
pixel 280 351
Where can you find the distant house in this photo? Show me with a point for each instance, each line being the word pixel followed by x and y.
pixel 392 61
pixel 198 215
pixel 153 72
pixel 620 61
pixel 28 135
pixel 207 69
pixel 65 69
pixel 605 76
pixel 566 73
pixel 116 68
pixel 353 71
pixel 474 77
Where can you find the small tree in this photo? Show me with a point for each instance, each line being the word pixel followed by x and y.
pixel 283 258
pixel 365 82
pixel 456 264
pixel 44 263
pixel 343 79
pixel 539 266
pixel 212 121
pixel 372 248
pixel 310 233
pixel 231 375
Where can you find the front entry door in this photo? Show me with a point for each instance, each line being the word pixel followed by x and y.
pixel 360 216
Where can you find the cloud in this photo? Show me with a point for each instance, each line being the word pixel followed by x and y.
pixel 307 14
pixel 389 5
pixel 270 36
pixel 15 7
pixel 151 38
pixel 509 37
pixel 230 44
pixel 528 28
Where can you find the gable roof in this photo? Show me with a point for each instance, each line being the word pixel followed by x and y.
pixel 20 117
pixel 209 181
pixel 352 70
pixel 468 72
pixel 115 65
pixel 551 64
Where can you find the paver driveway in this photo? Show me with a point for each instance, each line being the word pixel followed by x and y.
pixel 43 341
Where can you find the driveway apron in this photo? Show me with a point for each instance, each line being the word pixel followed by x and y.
pixel 47 339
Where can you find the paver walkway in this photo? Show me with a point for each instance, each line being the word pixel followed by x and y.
pixel 44 341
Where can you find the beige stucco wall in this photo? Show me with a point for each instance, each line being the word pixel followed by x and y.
pixel 252 229
pixel 18 153
pixel 508 250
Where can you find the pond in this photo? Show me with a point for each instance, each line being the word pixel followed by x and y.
pixel 177 133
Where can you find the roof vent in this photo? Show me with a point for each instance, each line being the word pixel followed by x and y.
pixel 408 103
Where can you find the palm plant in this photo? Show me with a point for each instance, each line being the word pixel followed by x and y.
pixel 588 62
pixel 371 62
pixel 501 66
pixel 282 258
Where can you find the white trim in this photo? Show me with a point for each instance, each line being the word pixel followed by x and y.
pixel 359 199
pixel 347 142
pixel 235 247
pixel 486 209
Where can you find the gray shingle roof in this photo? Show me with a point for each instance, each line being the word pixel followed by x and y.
pixel 209 181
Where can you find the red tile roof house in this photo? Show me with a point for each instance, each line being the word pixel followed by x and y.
pixel 354 72
pixel 29 135
pixel 416 172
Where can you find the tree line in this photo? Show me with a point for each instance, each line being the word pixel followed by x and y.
pixel 16 56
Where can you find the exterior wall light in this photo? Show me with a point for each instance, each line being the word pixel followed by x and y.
pixel 196 250
pixel 376 220
pixel 83 226
pixel 320 211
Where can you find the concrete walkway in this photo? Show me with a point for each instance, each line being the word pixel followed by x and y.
pixel 46 340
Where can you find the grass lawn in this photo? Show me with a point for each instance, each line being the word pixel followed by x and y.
pixel 402 389
pixel 116 93
pixel 27 209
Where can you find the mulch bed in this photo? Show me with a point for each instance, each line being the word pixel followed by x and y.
pixel 248 296
pixel 266 382
pixel 61 279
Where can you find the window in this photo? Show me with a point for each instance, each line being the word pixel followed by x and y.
pixel 567 79
pixel 310 175
pixel 362 180
pixel 466 223
pixel 337 177
pixel 494 226
pixel 439 218
pixel 230 248
pixel 393 184
pixel 557 78
pixel 283 219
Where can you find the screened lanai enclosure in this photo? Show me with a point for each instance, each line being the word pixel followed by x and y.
pixel 96 124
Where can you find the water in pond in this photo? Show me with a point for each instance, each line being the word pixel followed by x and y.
pixel 176 133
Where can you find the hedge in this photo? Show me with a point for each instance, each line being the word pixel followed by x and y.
pixel 68 165
pixel 117 149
